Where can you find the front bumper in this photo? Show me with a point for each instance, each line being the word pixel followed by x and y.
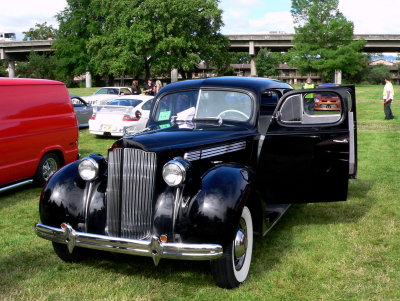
pixel 151 248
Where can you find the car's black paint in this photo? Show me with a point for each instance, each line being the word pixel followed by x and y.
pixel 276 163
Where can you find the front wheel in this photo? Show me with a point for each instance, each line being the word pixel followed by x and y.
pixel 230 270
pixel 48 165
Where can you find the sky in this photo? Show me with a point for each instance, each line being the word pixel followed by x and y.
pixel 240 16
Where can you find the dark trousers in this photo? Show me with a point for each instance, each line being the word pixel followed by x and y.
pixel 388 110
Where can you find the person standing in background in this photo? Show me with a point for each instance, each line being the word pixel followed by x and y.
pixel 158 86
pixel 148 89
pixel 388 95
pixel 135 88
pixel 309 98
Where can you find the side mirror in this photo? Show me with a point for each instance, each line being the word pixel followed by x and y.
pixel 314 108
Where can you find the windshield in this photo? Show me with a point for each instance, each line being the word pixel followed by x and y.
pixel 205 104
pixel 9 35
pixel 107 91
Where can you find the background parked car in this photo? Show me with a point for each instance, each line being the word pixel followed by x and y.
pixel 82 109
pixel 127 111
pixel 38 130
pixel 326 101
pixel 114 91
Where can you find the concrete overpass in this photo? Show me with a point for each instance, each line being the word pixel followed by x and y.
pixel 19 51
pixel 283 42
pixel 251 43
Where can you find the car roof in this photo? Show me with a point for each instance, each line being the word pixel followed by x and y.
pixel 5 81
pixel 256 84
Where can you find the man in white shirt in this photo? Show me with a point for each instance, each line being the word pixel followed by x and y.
pixel 388 94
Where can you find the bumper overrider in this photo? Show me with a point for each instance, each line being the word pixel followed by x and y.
pixel 153 247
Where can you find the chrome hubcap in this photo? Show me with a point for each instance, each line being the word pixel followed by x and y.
pixel 49 167
pixel 240 245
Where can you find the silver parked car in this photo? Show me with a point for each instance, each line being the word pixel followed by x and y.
pixel 82 109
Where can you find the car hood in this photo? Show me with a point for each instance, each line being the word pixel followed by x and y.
pixel 181 137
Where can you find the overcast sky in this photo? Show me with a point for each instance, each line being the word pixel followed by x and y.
pixel 240 16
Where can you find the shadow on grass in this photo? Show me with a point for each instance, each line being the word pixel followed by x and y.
pixel 267 253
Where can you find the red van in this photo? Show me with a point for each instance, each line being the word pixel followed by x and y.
pixel 38 130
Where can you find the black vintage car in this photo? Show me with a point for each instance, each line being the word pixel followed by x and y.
pixel 220 159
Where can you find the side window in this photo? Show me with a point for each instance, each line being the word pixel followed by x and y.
pixel 125 91
pixel 320 107
pixel 77 102
pixel 147 105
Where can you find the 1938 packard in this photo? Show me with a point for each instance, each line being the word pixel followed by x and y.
pixel 221 159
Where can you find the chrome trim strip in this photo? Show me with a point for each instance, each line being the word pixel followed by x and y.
pixel 214 151
pixel 352 156
pixel 151 248
pixel 15 185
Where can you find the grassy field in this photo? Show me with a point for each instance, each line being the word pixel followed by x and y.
pixel 328 251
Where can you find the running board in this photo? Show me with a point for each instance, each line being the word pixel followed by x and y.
pixel 16 185
pixel 273 213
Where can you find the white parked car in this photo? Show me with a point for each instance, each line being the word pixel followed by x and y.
pixel 99 99
pixel 125 111
pixel 114 91
pixel 105 94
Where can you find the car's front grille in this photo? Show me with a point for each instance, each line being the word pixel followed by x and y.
pixel 130 190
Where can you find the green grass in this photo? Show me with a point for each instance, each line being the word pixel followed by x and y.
pixel 327 251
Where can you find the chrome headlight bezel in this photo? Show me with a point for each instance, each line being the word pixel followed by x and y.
pixel 88 169
pixel 175 171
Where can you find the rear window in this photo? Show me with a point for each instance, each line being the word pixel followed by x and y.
pixel 124 102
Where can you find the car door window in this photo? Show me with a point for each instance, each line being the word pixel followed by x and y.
pixel 311 108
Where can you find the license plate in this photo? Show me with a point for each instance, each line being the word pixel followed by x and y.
pixel 107 127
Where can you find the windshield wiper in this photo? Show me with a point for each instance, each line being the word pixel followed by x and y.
pixel 217 120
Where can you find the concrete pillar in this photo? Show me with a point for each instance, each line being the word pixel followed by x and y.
pixel 338 77
pixel 174 75
pixel 251 48
pixel 11 68
pixel 253 68
pixel 88 79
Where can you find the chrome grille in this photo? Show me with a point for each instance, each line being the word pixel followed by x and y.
pixel 130 190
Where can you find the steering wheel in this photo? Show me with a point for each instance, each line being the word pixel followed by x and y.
pixel 233 111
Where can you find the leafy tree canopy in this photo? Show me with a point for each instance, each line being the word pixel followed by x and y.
pixel 37 66
pixel 40 32
pixel 121 36
pixel 77 25
pixel 323 39
pixel 267 62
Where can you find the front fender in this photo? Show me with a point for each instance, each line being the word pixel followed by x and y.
pixel 212 215
pixel 68 198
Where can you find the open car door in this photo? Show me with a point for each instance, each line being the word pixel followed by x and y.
pixel 310 149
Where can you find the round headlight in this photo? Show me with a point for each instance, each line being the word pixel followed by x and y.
pixel 174 173
pixel 88 169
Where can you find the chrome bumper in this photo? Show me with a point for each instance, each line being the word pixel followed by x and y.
pixel 151 248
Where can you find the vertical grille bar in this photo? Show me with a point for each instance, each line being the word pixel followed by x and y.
pixel 131 205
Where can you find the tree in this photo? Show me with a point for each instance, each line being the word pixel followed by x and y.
pixel 3 67
pixel 376 74
pixel 78 24
pixel 40 32
pixel 37 66
pixel 323 39
pixel 267 62
pixel 157 36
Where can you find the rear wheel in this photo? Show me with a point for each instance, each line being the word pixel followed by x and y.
pixel 48 165
pixel 78 254
pixel 230 270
